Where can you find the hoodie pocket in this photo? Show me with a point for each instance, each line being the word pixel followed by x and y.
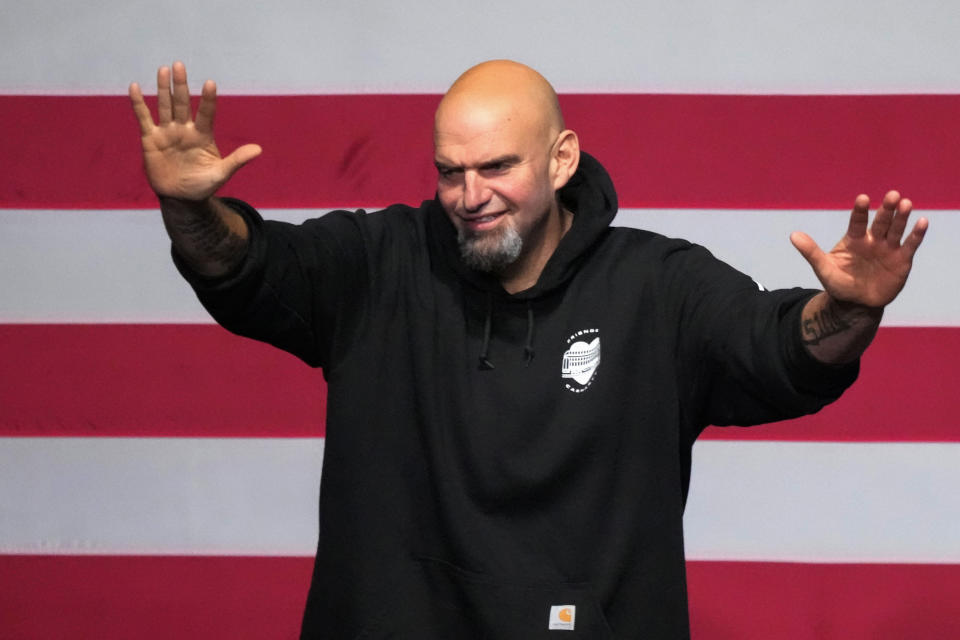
pixel 446 601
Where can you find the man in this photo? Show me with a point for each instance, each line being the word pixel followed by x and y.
pixel 514 386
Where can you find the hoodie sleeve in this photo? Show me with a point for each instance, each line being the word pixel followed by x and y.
pixel 299 288
pixel 744 345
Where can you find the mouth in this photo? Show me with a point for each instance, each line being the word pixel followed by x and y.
pixel 481 223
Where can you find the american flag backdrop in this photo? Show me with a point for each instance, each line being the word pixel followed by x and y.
pixel 159 477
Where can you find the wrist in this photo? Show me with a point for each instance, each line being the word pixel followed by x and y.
pixel 854 311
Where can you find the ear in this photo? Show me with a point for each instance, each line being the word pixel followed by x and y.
pixel 565 159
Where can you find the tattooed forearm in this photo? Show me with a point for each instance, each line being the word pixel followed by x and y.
pixel 837 332
pixel 208 235
pixel 824 323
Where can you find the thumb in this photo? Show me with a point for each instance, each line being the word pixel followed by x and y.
pixel 240 157
pixel 808 249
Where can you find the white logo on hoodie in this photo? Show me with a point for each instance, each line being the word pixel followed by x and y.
pixel 581 360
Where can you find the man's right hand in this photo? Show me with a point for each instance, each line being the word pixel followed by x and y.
pixel 184 168
pixel 180 157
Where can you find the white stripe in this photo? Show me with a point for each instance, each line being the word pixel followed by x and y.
pixel 114 266
pixel 824 502
pixel 811 502
pixel 699 46
pixel 205 496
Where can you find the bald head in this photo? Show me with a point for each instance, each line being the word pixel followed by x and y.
pixel 500 90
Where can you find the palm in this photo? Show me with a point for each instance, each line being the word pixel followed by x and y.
pixel 180 162
pixel 180 157
pixel 868 266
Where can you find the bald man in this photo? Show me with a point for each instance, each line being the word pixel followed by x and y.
pixel 484 476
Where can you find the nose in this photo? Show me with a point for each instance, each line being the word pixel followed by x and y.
pixel 475 192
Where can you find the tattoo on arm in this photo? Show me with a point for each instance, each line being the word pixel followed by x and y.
pixel 823 324
pixel 202 237
pixel 211 237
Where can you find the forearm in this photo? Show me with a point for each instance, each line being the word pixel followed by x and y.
pixel 210 237
pixel 837 332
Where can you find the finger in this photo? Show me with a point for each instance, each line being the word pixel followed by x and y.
pixel 899 223
pixel 859 216
pixel 240 157
pixel 140 109
pixel 164 113
pixel 181 94
pixel 809 249
pixel 912 243
pixel 884 215
pixel 207 108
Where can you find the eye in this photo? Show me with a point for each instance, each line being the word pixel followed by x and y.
pixel 448 173
pixel 495 167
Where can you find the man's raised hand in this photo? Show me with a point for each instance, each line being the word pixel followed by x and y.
pixel 869 266
pixel 180 157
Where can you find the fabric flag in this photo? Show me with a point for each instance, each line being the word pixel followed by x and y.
pixel 159 477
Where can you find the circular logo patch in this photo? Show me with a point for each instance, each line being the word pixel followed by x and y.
pixel 581 360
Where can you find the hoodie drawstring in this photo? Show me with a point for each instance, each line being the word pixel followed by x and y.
pixel 485 363
pixel 528 347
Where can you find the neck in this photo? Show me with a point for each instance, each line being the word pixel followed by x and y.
pixel 525 272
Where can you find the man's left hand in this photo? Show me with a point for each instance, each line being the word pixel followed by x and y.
pixel 867 267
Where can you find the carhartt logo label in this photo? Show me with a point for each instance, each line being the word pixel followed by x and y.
pixel 562 617
pixel 581 360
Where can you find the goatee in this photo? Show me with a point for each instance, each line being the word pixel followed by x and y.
pixel 490 252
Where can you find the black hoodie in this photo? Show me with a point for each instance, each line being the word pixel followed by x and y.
pixel 489 470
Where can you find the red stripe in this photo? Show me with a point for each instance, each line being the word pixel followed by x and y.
pixel 907 391
pixel 737 600
pixel 662 150
pixel 152 598
pixel 110 597
pixel 198 380
pixel 153 380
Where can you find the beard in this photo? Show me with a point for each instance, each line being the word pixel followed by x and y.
pixel 490 252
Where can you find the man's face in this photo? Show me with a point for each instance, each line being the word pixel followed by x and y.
pixel 494 184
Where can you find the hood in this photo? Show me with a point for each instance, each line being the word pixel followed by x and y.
pixel 589 195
